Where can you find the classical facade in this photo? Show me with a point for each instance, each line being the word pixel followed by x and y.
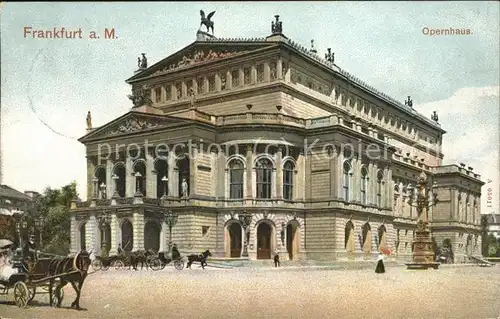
pixel 262 143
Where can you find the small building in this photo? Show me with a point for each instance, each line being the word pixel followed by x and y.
pixel 260 146
pixel 12 203
pixel 494 225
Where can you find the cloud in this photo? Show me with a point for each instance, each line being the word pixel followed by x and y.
pixel 471 118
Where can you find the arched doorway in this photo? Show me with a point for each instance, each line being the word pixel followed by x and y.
pixel 264 241
pixel 292 239
pixel 349 237
pixel 367 238
pixel 83 238
pixel 152 231
pixel 235 238
pixel 127 235
pixel 382 238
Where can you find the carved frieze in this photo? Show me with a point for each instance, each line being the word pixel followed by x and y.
pixel 199 57
pixel 302 78
pixel 134 124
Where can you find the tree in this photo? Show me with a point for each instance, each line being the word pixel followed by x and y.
pixel 484 235
pixel 53 209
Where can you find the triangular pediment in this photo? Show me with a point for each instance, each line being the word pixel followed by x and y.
pixel 132 122
pixel 199 53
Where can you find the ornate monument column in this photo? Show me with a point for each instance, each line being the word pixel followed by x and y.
pixel 423 254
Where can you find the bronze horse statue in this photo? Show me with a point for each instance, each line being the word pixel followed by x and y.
pixel 206 21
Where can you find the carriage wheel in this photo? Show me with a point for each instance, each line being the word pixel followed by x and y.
pixel 105 267
pixel 155 264
pixel 97 265
pixel 54 297
pixel 119 264
pixel 32 292
pixel 179 265
pixel 21 294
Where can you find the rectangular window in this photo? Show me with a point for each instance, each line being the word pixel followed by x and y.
pixel 201 85
pixel 247 78
pixel 287 184
pixel 158 94
pixel 379 193
pixel 178 89
pixel 168 90
pixel 235 75
pixel 236 183
pixel 264 174
pixel 260 73
pixel 211 83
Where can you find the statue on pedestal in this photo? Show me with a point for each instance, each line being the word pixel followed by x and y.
pixel 206 21
pixel 89 121
pixel 184 187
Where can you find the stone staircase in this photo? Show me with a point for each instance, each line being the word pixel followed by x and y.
pixel 480 261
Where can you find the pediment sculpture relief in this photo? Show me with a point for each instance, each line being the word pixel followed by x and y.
pixel 199 57
pixel 141 96
pixel 134 124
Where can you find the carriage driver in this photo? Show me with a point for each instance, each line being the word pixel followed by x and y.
pixel 175 252
pixel 30 248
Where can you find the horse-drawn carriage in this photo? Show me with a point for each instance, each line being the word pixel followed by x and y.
pixel 115 261
pixel 161 260
pixel 41 276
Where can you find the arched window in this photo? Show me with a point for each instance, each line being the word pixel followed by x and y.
pixel 264 174
pixel 346 180
pixel 364 183
pixel 236 170
pixel 288 170
pixel 379 188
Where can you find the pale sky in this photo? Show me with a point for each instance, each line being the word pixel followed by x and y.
pixel 49 85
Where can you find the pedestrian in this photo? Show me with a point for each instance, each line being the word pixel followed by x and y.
pixel 380 269
pixel 276 260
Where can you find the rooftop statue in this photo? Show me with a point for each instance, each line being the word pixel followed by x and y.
pixel 206 21
pixel 89 121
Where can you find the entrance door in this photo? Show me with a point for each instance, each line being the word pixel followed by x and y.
pixel 235 240
pixel 264 241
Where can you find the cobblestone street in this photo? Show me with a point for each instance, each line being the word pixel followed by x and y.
pixel 451 292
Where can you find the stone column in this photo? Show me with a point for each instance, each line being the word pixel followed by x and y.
pixel 172 186
pixel 355 180
pixel 253 75
pixel 334 177
pixel 220 179
pixel 114 235
pixel 110 183
pixel 214 172
pixel 299 182
pixel 90 176
pixel 138 227
pixel 279 69
pixel 279 174
pixel 130 183
pixel 241 77
pixel 249 179
pixel 389 188
pixel 150 175
pixel 229 80
pixel 92 242
pixel 74 234
pixel 164 236
pixel 267 71
pixel 193 168
pixel 218 82
pixel 340 173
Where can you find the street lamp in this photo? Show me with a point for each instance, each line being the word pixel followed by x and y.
pixel 423 253
pixel 18 215
pixel 103 190
pixel 171 220
pixel 138 176
pixel 95 183
pixel 115 178
pixel 245 220
pixel 165 181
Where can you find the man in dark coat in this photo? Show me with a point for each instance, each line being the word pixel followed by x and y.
pixel 175 252
pixel 30 248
